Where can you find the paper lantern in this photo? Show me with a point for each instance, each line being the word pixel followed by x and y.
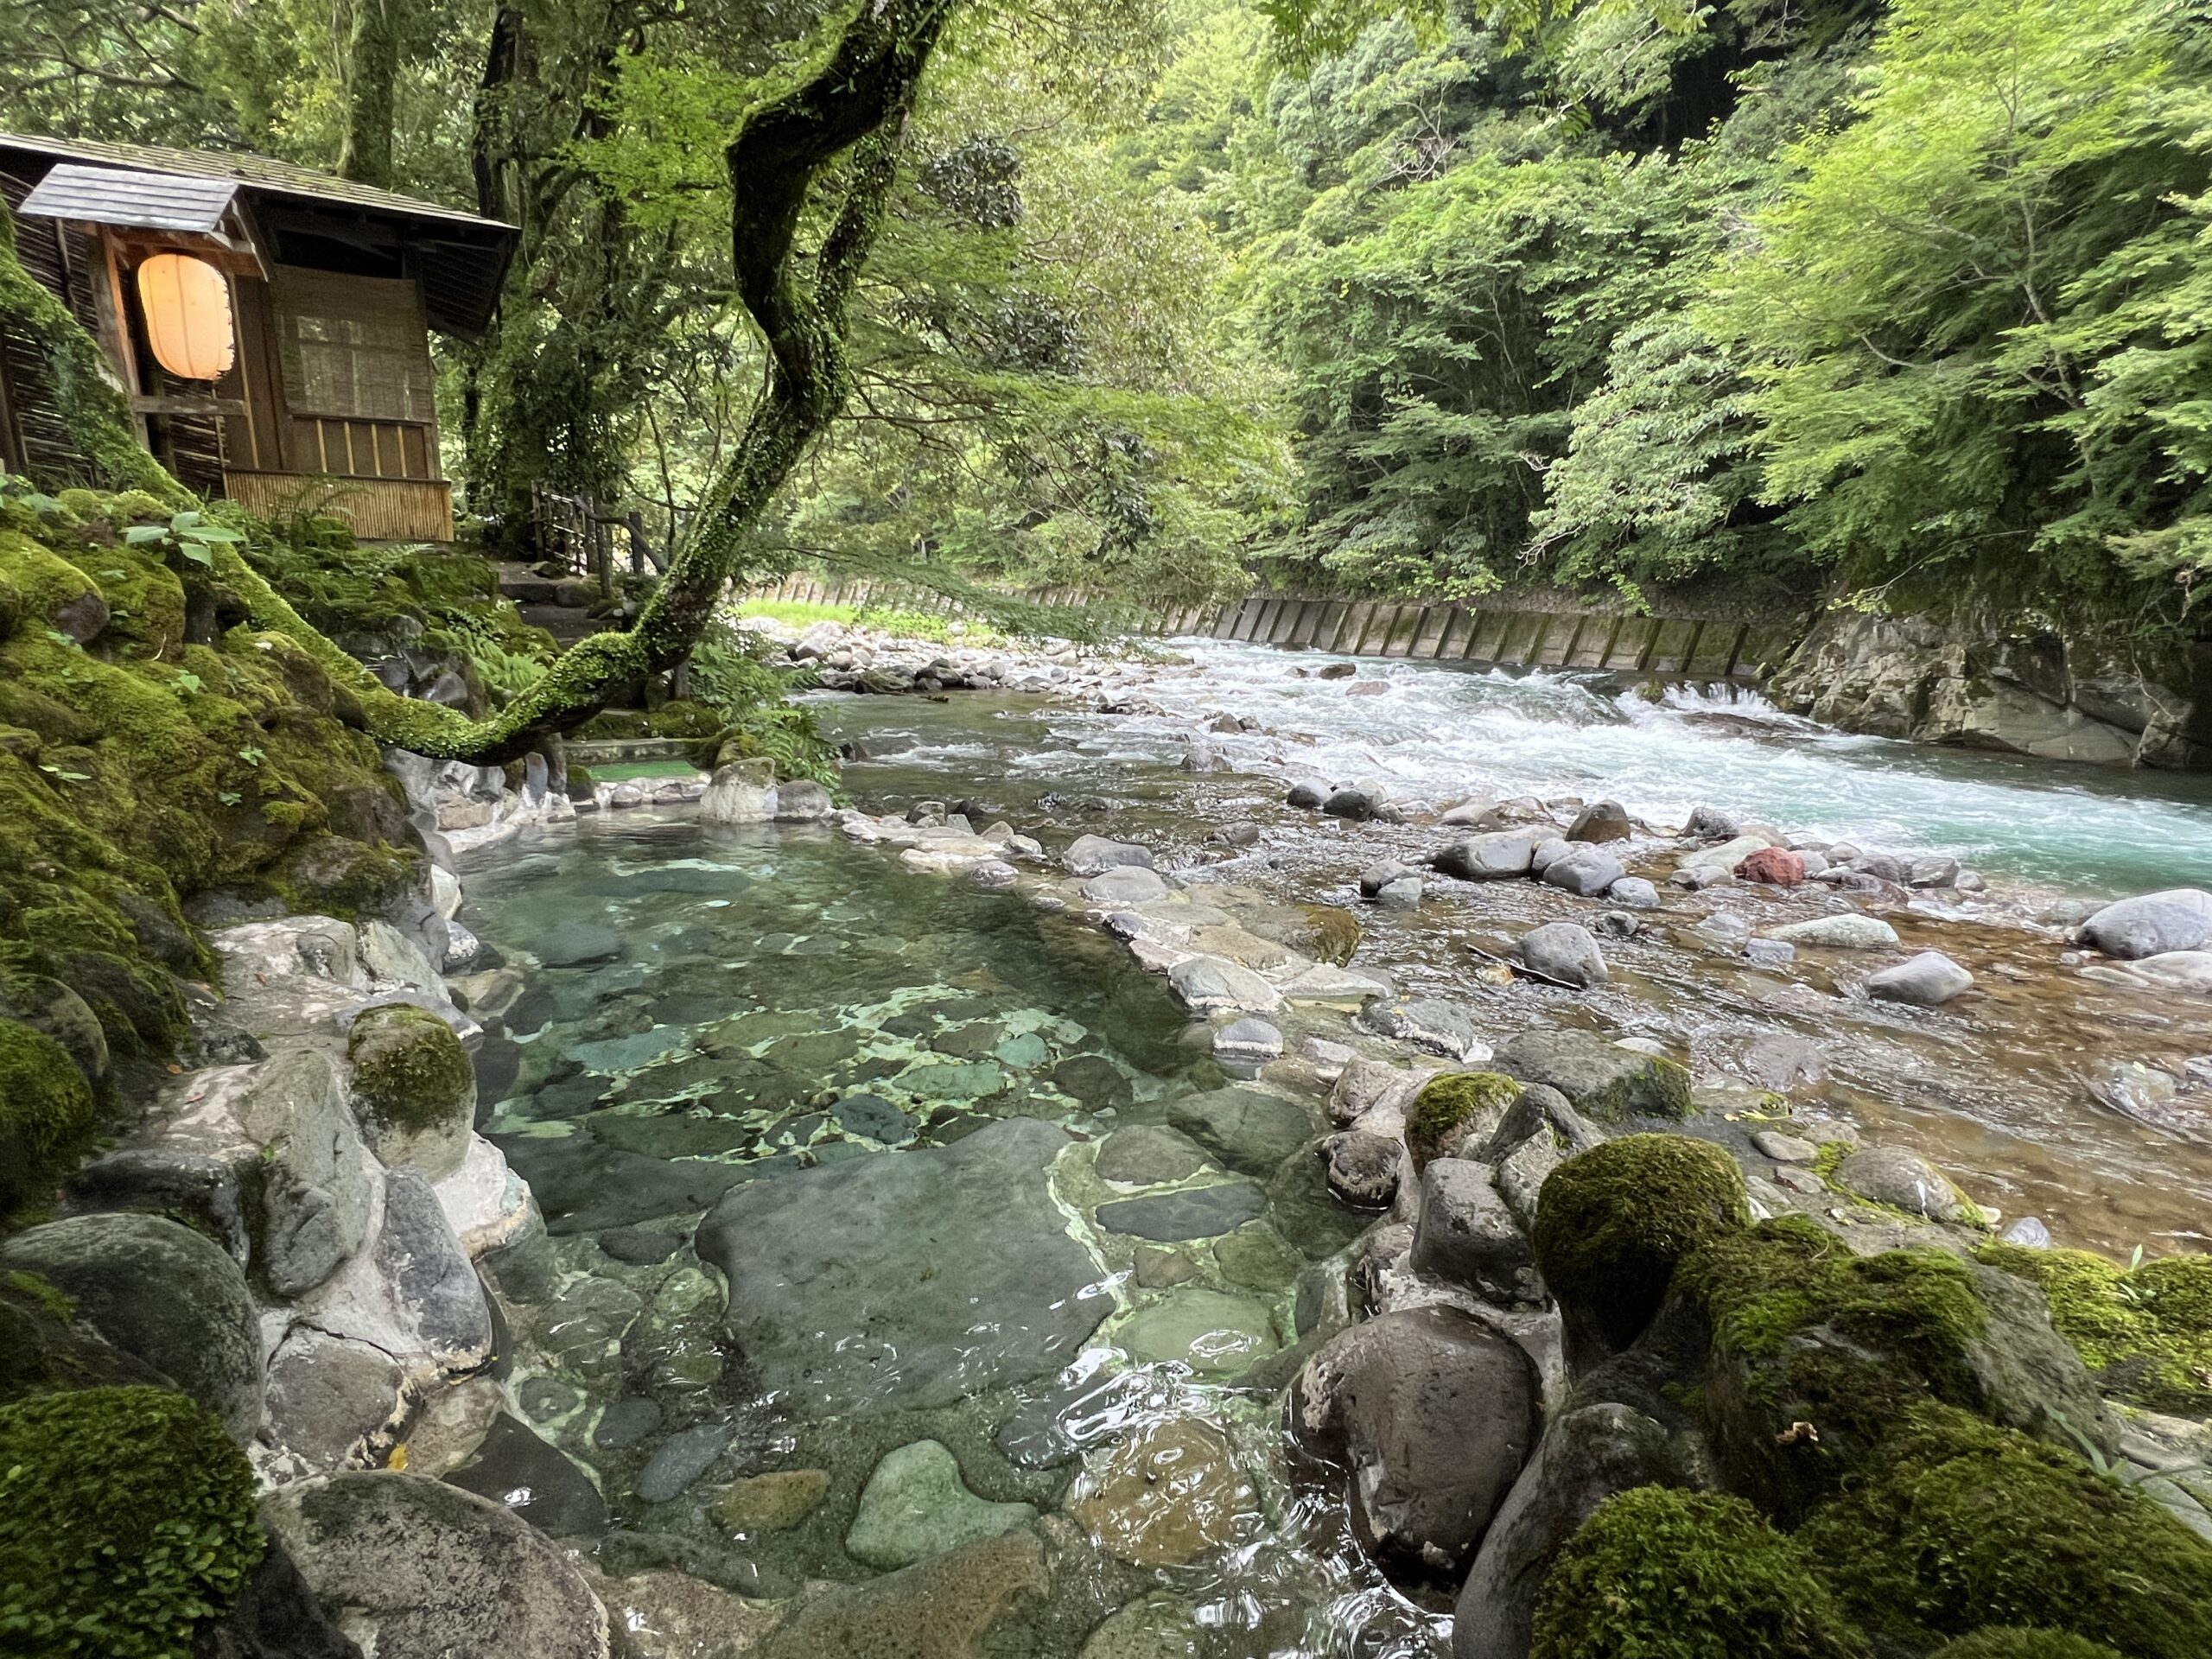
pixel 188 305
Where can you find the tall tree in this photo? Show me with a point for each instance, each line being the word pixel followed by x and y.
pixel 371 80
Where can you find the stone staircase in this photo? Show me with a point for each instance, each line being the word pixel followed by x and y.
pixel 560 605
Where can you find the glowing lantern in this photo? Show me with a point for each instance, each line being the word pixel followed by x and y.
pixel 187 307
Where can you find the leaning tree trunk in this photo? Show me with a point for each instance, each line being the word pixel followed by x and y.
pixel 853 108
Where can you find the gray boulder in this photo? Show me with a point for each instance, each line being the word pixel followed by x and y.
pixel 1584 871
pixel 1211 985
pixel 1904 1180
pixel 1377 876
pixel 1467 1235
pixel 1599 1079
pixel 422 1570
pixel 1549 852
pixel 1404 894
pixel 1493 857
pixel 1849 931
pixel 1565 952
pixel 1125 884
pixel 854 1286
pixel 162 1294
pixel 1193 1212
pixel 1246 1042
pixel 2151 923
pixel 433 1286
pixel 1364 1168
pixel 1308 792
pixel 1089 856
pixel 1635 892
pixel 1432 1414
pixel 1353 803
pixel 329 1395
pixel 1427 1024
pixel 1601 821
pixel 319 1180
pixel 1927 981
pixel 1585 1458
pixel 1710 823
pixel 1148 1154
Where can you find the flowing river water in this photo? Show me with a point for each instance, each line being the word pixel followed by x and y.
pixel 710 1007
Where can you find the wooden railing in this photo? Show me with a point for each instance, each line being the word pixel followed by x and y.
pixel 579 531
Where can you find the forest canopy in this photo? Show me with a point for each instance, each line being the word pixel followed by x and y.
pixel 1898 299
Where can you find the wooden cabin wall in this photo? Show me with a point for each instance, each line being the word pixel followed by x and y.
pixel 32 437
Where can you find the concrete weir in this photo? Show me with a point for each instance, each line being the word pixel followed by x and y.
pixel 1491 635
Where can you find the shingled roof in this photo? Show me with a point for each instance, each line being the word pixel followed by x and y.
pixel 461 257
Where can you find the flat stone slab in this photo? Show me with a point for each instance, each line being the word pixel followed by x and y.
pixel 907 1280
pixel 1199 1212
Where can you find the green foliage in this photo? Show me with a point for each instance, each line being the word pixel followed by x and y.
pixel 1447 1107
pixel 126 1524
pixel 1613 1222
pixel 731 674
pixel 1976 321
pixel 409 1071
pixel 1665 1574
pixel 1961 1524
pixel 2146 1332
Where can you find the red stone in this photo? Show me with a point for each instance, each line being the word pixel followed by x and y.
pixel 1774 865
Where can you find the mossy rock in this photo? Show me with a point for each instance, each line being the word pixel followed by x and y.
pixel 336 875
pixel 1613 1222
pixel 46 1114
pixel 145 598
pixel 2146 1333
pixel 1673 1574
pixel 1451 1107
pixel 126 1524
pixel 1815 1354
pixel 1961 1524
pixel 415 1087
pixel 2014 1641
pixel 44 1350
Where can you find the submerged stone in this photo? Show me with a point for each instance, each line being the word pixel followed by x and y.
pixel 1215 1334
pixel 1166 1496
pixel 909 1279
pixel 1199 1212
pixel 916 1504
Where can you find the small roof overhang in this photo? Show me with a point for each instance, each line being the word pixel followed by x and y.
pixel 462 257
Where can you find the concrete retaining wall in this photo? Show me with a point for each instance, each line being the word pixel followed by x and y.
pixel 1673 647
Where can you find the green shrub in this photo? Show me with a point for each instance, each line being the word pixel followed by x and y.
pixel 1614 1222
pixel 126 1521
pixel 1957 1524
pixel 1658 1573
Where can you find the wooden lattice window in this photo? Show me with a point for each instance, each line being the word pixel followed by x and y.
pixel 352 347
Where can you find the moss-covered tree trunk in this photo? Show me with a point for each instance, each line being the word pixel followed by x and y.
pixel 372 75
pixel 840 129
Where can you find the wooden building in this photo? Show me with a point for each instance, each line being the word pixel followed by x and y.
pixel 270 323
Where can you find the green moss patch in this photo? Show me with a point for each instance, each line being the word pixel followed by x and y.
pixel 1613 1222
pixel 1659 1574
pixel 1447 1107
pixel 46 1109
pixel 409 1069
pixel 126 1522
pixel 2146 1333
pixel 1960 1524
pixel 1816 1352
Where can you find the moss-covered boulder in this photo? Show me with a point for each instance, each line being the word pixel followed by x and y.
pixel 46 1113
pixel 1601 1079
pixel 2145 1332
pixel 2015 1641
pixel 45 1348
pixel 1673 1574
pixel 1452 1107
pixel 415 1087
pixel 1815 1353
pixel 1613 1222
pixel 126 1524
pixel 1960 1524
pixel 49 1006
